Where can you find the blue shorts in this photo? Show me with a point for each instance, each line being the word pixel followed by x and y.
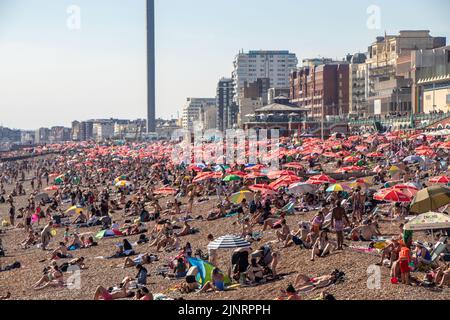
pixel 220 285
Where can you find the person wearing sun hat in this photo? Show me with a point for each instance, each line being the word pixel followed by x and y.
pixel 422 255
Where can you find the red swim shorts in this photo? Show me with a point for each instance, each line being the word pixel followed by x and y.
pixel 404 266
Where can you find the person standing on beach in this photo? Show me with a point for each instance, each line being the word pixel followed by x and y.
pixel 46 235
pixel 338 221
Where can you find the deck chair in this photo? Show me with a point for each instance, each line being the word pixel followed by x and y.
pixel 438 249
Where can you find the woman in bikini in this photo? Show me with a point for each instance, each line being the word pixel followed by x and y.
pixel 103 294
pixel 53 277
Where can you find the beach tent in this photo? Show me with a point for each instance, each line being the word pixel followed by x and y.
pixel 429 199
pixel 429 221
pixel 204 271
pixel 228 242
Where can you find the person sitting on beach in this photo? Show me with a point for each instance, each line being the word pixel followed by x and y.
pixel 218 213
pixel 141 275
pixel 31 239
pixel 254 272
pixel 53 277
pixel 442 276
pixel 76 243
pixel 247 229
pixel 322 246
pixel 144 294
pixel 186 230
pixel 217 283
pixel 289 294
pixel 179 269
pixel 421 255
pixel 292 294
pixel 365 232
pixel 166 242
pixel 390 252
pixel 299 237
pixel 283 234
pixel 173 244
pixel 80 219
pixel 60 252
pixel 90 242
pixel 191 283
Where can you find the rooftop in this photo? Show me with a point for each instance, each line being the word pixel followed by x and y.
pixel 276 107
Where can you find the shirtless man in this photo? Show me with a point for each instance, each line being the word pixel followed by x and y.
pixel 338 221
pixel 284 232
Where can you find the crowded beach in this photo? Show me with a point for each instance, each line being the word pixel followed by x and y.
pixel 364 216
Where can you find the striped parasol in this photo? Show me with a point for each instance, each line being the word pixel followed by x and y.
pixel 228 242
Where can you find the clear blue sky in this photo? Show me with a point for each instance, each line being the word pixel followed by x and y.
pixel 50 75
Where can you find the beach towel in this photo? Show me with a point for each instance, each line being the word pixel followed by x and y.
pixel 229 215
pixel 371 251
pixel 108 233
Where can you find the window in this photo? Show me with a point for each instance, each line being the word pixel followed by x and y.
pixel 448 99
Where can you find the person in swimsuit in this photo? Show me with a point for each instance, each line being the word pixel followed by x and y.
pixel 317 222
pixel 103 294
pixel 307 284
pixel 338 221
pixel 290 294
pixel 53 277
pixel 322 246
pixel 217 283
